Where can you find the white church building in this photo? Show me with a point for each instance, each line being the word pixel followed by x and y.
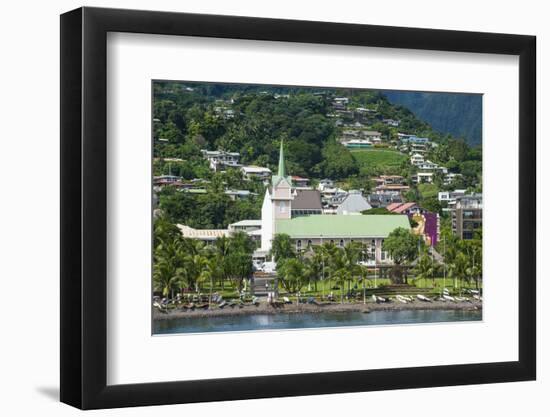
pixel 315 229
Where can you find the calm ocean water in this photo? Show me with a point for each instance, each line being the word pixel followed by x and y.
pixel 309 320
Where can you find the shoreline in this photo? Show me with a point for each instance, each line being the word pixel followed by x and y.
pixel 265 308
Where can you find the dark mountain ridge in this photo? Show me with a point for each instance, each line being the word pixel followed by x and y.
pixel 457 114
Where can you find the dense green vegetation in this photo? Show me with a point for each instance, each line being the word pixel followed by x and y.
pixel 322 271
pixel 187 264
pixel 214 209
pixel 252 120
pixel 379 161
pixel 258 120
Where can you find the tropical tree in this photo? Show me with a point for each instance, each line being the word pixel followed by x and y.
pixel 314 266
pixel 458 269
pixel 211 271
pixel 169 265
pixel 222 250
pixel 195 265
pixel 166 276
pixel 402 246
pixel 473 251
pixel 330 261
pixel 238 262
pixel 425 268
pixel 350 264
pixel 282 247
pixel 239 266
pixel 164 231
pixel 291 274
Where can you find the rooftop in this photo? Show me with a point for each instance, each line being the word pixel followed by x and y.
pixel 400 207
pixel 255 169
pixel 341 226
pixel 354 203
pixel 307 200
pixel 218 153
pixel 205 234
pixel 247 223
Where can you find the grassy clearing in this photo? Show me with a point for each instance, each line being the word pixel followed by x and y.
pixel 378 158
pixel 428 190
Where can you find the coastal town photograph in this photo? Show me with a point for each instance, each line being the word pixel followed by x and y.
pixel 290 207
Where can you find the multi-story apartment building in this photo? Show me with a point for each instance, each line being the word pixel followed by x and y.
pixel 467 215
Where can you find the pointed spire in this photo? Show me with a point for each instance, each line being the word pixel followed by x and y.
pixel 281 172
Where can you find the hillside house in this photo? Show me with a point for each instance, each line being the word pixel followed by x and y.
pixel 220 160
pixel 252 171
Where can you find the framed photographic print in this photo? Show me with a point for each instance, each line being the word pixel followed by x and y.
pixel 258 208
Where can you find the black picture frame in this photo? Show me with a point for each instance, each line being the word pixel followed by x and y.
pixel 84 207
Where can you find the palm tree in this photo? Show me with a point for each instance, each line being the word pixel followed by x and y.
pixel 424 268
pixel 330 256
pixel 195 266
pixel 364 275
pixel 474 255
pixel 222 251
pixel 312 269
pixel 458 269
pixel 169 267
pixel 165 231
pixel 209 273
pixel 291 273
pixel 350 262
pixel 165 276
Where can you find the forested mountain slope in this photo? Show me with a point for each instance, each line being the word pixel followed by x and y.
pixel 457 114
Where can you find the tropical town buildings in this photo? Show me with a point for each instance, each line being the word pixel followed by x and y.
pixel 316 229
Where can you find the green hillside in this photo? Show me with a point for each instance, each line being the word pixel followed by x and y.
pixel 383 160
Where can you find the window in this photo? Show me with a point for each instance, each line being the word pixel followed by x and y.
pixel 298 244
pixel 282 208
pixel 309 242
pixel 341 243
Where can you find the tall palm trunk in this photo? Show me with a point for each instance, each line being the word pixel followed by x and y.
pixel 210 295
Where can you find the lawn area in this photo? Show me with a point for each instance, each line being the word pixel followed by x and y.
pixel 324 288
pixel 378 158
pixel 428 190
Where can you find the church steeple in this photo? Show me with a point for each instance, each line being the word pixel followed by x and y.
pixel 281 172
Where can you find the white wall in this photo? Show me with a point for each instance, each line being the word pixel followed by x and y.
pixel 267 222
pixel 29 210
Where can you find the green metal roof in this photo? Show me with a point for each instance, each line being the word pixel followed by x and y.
pixel 341 226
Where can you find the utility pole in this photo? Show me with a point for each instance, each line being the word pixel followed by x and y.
pixel 444 262
pixel 323 270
